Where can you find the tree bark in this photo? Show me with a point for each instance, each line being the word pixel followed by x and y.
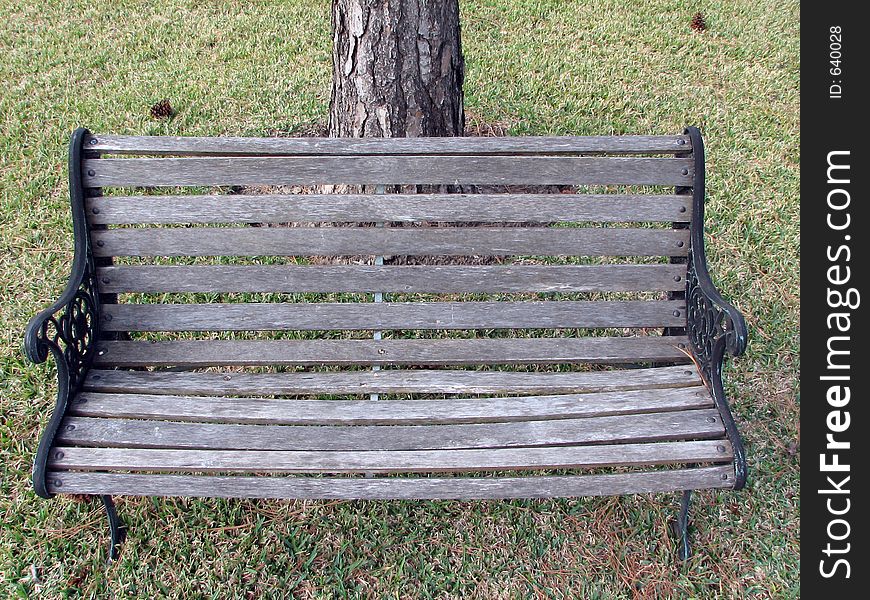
pixel 397 69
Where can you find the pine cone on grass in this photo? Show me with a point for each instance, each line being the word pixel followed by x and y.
pixel 162 110
pixel 698 23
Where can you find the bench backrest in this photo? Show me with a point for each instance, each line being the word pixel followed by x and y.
pixel 609 256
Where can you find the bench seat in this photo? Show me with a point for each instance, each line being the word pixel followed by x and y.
pixel 129 422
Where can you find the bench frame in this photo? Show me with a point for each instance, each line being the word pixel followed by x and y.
pixel 70 329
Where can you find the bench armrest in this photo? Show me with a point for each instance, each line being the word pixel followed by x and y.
pixel 709 316
pixel 69 328
pixel 713 325
pixel 711 319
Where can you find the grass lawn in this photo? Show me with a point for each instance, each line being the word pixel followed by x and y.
pixel 534 67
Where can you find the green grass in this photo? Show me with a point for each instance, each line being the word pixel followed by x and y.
pixel 534 67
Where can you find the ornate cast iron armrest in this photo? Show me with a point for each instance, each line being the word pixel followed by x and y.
pixel 68 328
pixel 714 326
pixel 710 317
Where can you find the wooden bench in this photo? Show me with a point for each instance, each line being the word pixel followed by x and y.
pixel 201 351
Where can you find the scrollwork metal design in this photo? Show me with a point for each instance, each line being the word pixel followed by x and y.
pixel 709 321
pixel 70 335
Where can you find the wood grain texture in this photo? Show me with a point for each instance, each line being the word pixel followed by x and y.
pixel 409 279
pixel 234 146
pixel 398 461
pixel 204 353
pixel 393 488
pixel 387 170
pixel 341 241
pixel 366 208
pixel 393 315
pixel 284 411
pixel 438 381
pixel 130 433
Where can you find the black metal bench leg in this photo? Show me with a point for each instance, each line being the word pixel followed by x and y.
pixel 117 529
pixel 682 525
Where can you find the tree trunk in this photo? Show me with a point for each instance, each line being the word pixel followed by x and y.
pixel 397 69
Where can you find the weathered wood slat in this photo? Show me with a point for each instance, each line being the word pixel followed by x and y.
pixel 409 279
pixel 386 412
pixel 204 353
pixel 313 316
pixel 128 433
pixel 445 241
pixel 236 146
pixel 439 381
pixel 387 170
pixel 398 461
pixel 391 488
pixel 366 208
